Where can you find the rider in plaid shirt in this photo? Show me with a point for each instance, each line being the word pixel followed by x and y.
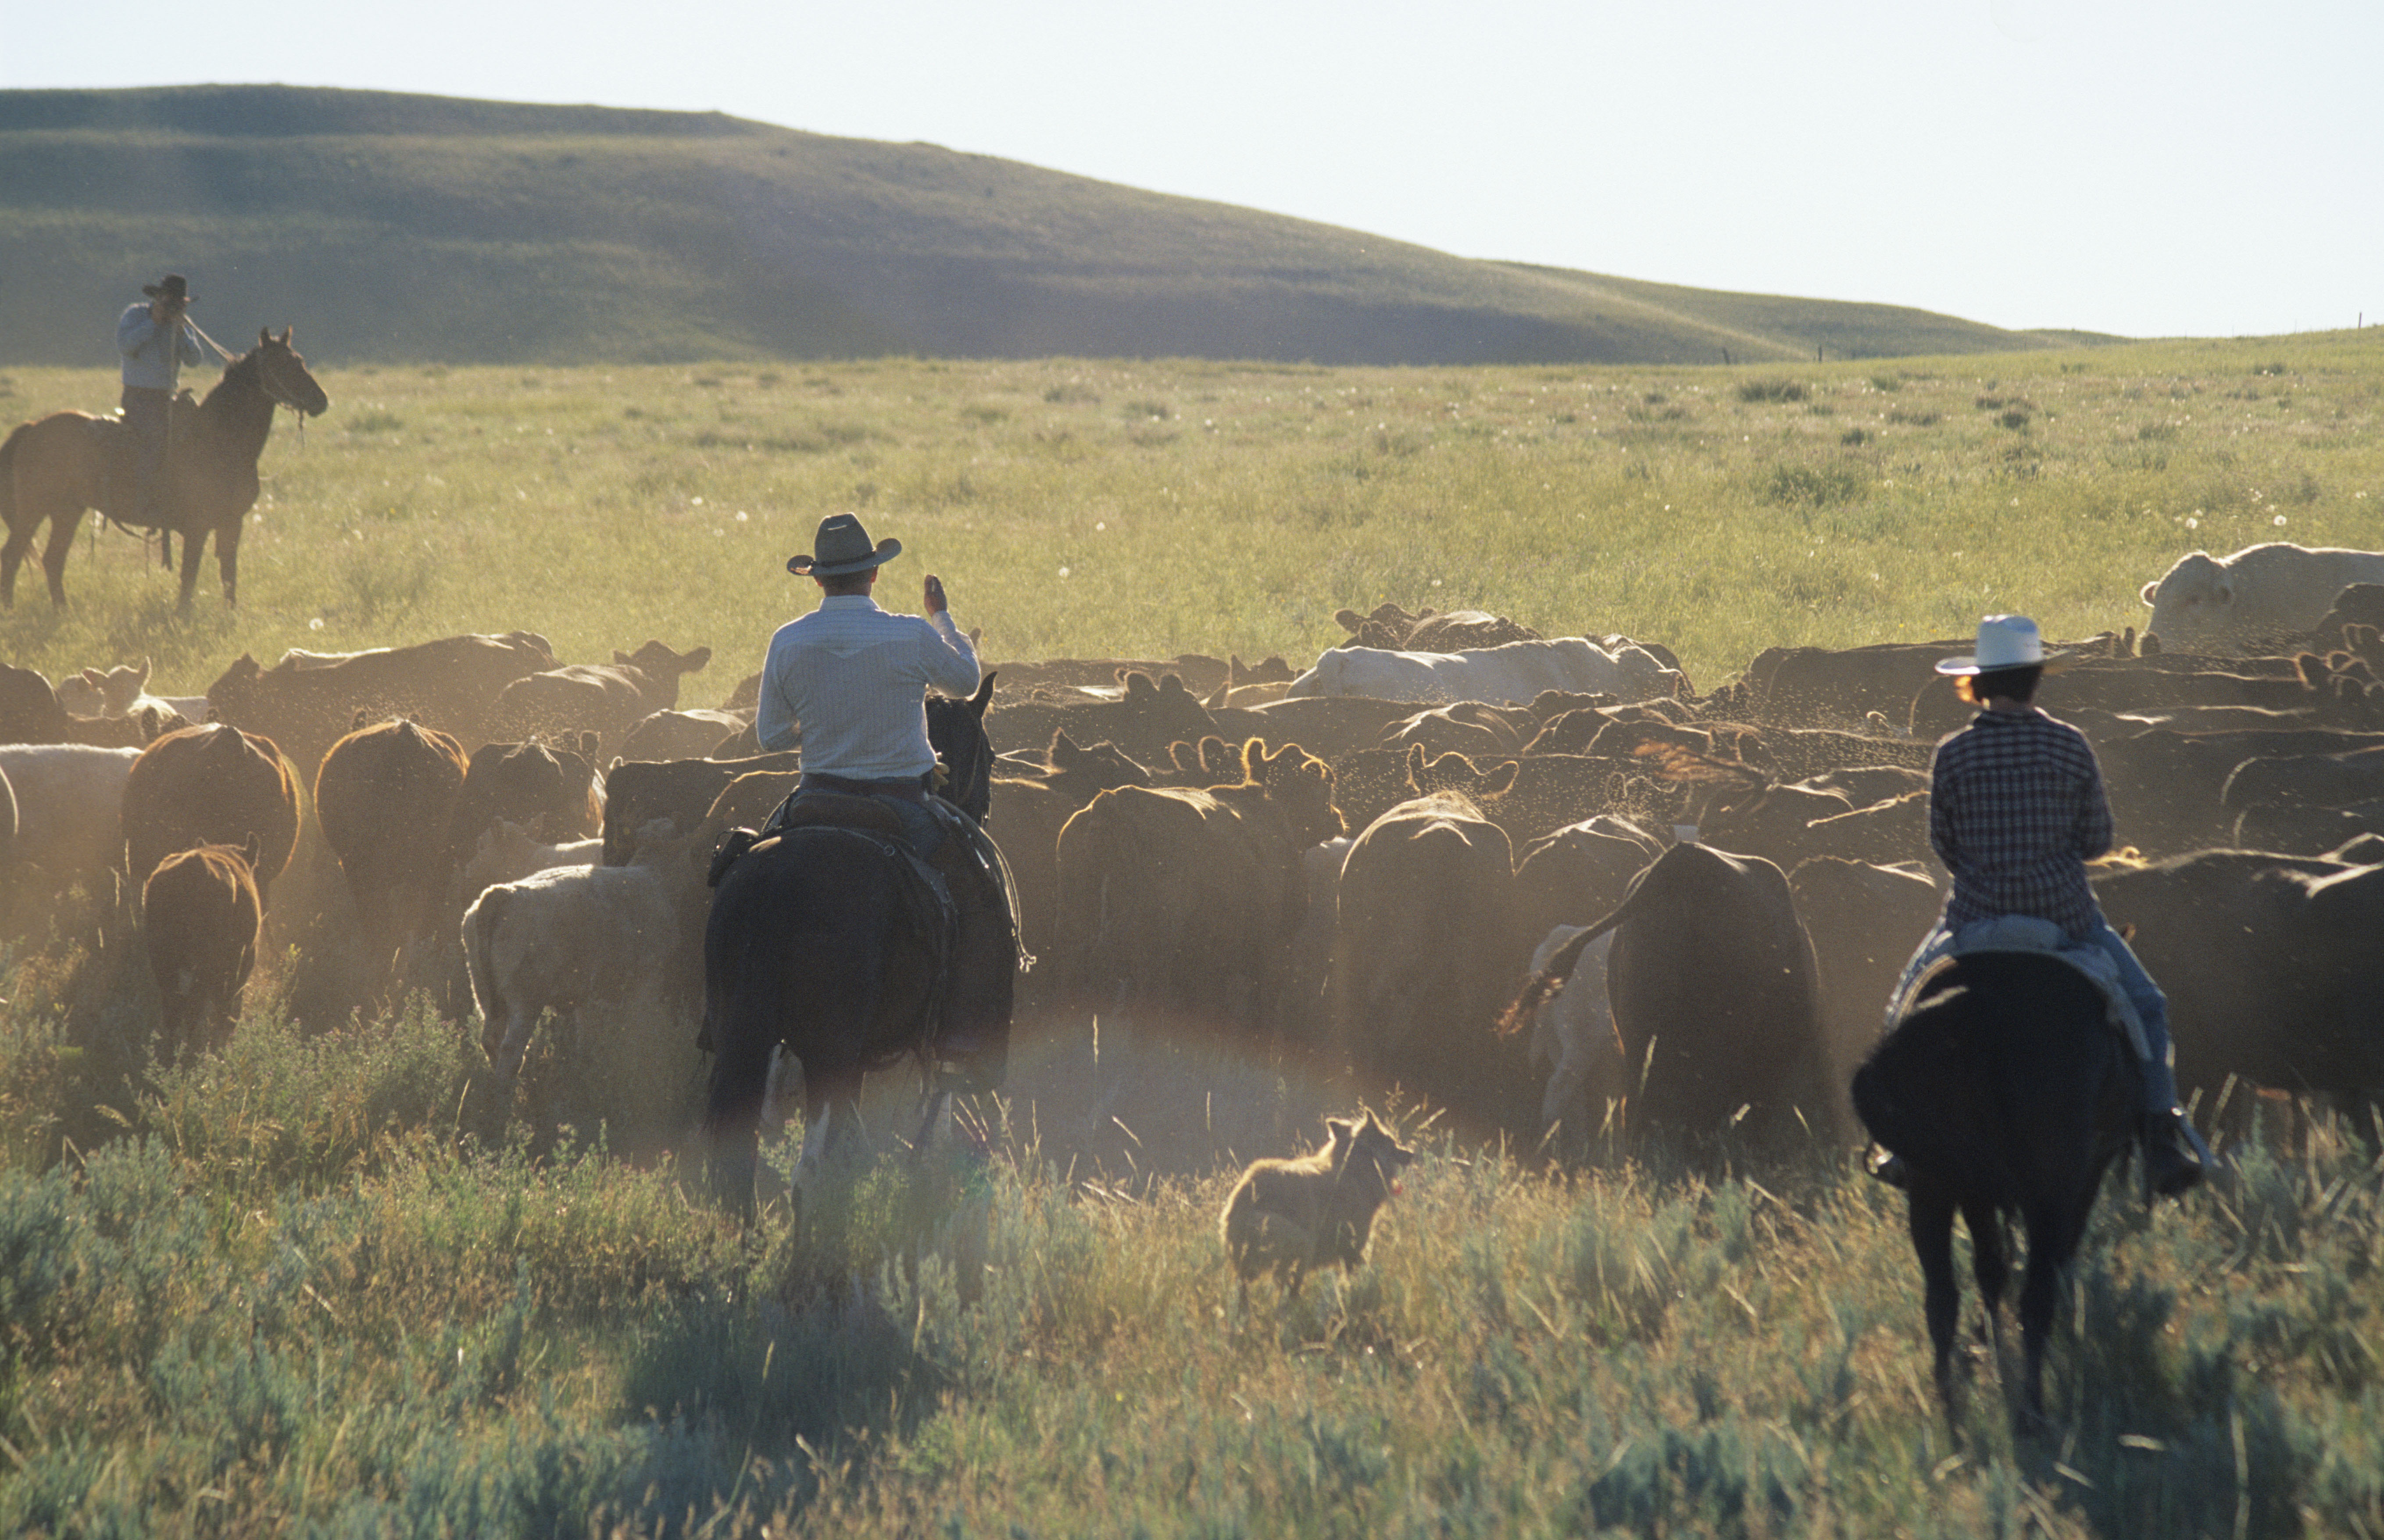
pixel 2016 810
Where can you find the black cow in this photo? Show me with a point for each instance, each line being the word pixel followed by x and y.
pixel 1715 1013
pixel 2270 964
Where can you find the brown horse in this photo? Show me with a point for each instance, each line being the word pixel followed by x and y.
pixel 56 467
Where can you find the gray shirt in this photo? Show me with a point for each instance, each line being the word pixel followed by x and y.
pixel 153 356
pixel 851 680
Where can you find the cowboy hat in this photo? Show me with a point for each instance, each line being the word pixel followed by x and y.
pixel 841 547
pixel 176 288
pixel 2005 642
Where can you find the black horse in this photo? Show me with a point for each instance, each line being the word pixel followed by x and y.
pixel 2006 1091
pixel 823 940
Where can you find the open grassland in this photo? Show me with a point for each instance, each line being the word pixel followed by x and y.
pixel 279 1293
pixel 1094 509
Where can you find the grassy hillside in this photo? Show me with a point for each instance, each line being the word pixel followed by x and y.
pixel 416 228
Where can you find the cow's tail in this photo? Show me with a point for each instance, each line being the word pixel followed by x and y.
pixel 480 925
pixel 1549 982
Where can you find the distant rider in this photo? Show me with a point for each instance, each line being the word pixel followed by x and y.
pixel 2016 810
pixel 156 339
pixel 849 683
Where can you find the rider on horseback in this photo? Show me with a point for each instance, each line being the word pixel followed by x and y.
pixel 156 340
pixel 2016 810
pixel 849 683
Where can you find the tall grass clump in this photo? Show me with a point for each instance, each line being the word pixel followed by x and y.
pixel 1771 390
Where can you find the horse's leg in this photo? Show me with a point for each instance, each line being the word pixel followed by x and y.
pixel 193 541
pixel 2053 1231
pixel 227 562
pixel 740 1070
pixel 1931 1222
pixel 63 523
pixel 21 525
pixel 1989 1265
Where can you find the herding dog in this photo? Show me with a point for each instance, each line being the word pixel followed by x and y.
pixel 1316 1210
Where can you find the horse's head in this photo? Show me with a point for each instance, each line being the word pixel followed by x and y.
pixel 281 373
pixel 956 729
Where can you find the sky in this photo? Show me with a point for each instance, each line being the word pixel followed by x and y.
pixel 2150 168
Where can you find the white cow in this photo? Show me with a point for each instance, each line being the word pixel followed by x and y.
pixel 123 691
pixel 2219 604
pixel 1517 671
pixel 586 935
pixel 1572 1032
pixel 69 806
pixel 507 853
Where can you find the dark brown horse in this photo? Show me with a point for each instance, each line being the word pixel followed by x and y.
pixel 56 466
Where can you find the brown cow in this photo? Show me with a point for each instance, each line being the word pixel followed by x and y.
pixel 667 735
pixel 214 784
pixel 200 916
pixel 1027 814
pixel 1425 950
pixel 306 705
pixel 383 796
pixel 679 791
pixel 1189 899
pixel 604 699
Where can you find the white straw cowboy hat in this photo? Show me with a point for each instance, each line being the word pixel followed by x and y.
pixel 2005 642
pixel 841 547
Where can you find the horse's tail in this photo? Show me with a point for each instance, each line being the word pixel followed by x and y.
pixel 9 474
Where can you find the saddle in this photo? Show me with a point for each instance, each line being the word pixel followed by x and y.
pixel 120 452
pixel 2026 933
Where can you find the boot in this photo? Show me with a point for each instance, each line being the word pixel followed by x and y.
pixel 2175 1158
pixel 1886 1166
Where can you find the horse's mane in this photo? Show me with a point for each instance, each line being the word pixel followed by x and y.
pixel 245 368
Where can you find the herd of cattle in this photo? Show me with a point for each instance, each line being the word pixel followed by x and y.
pixel 1357 863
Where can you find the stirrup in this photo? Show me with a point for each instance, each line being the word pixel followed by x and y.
pixel 2176 1160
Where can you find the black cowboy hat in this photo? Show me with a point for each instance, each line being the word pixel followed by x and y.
pixel 842 546
pixel 176 288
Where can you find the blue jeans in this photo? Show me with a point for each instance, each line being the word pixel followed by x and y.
pixel 2158 1072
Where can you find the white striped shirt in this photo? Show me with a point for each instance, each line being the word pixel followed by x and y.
pixel 851 680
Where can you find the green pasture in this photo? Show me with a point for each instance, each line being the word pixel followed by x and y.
pixel 1141 509
pixel 312 1287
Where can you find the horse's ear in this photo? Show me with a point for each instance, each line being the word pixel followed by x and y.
pixel 285 333
pixel 264 336
pixel 984 696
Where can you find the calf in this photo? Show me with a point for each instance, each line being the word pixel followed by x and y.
pixel 579 934
pixel 1569 1032
pixel 679 791
pixel 200 916
pixel 1290 1217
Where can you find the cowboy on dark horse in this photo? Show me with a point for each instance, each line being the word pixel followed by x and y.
pixel 848 682
pixel 2016 808
pixel 156 339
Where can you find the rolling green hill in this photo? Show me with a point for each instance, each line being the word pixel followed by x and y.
pixel 393 228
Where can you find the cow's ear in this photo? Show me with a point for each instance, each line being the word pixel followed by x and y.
pixel 252 847
pixel 1341 1129
pixel 1063 750
pixel 623 660
pixel 142 675
pixel 1172 684
pixel 1138 684
pixel 1350 619
pixel 356 723
pixel 694 662
pixel 1498 782
pixel 590 743
pixel 1254 760
pixel 2146 593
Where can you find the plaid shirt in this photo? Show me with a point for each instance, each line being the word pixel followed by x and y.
pixel 2016 810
